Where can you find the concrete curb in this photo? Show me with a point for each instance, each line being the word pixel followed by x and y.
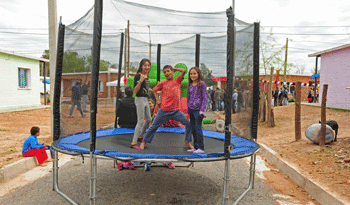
pixel 12 170
pixel 317 192
pixel 23 108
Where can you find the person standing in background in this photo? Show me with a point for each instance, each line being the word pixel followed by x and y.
pixel 85 90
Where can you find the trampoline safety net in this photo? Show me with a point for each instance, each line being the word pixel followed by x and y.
pixel 150 27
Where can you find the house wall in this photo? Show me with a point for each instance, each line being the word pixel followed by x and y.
pixel 11 95
pixel 335 72
pixel 69 78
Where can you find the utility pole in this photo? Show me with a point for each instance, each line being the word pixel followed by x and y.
pixel 128 50
pixel 285 62
pixel 125 47
pixel 150 45
pixel 52 14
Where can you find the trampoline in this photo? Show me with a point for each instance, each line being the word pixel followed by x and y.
pixel 77 136
pixel 167 144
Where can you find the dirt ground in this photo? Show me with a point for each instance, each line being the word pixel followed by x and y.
pixel 328 166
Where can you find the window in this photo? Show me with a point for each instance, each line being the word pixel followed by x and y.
pixel 100 86
pixel 23 78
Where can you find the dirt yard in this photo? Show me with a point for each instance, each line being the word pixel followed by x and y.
pixel 328 166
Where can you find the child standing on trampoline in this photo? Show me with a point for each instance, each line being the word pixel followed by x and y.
pixel 196 104
pixel 170 105
pixel 32 147
pixel 141 89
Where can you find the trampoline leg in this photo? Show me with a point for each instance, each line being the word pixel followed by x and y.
pixel 226 181
pixel 55 178
pixel 253 171
pixel 93 176
pixel 251 178
pixel 54 170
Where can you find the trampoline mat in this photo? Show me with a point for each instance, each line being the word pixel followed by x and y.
pixel 167 143
pixel 162 143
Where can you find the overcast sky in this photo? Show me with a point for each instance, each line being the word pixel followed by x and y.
pixel 310 25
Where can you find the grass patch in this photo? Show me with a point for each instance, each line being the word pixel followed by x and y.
pixel 3 130
pixel 7 152
pixel 338 110
pixel 108 112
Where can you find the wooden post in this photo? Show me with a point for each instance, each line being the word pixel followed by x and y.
pixel 268 105
pixel 323 115
pixel 298 111
pixel 263 116
pixel 269 95
pixel 272 118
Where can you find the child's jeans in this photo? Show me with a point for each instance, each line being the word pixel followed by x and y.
pixel 196 128
pixel 39 153
pixel 163 116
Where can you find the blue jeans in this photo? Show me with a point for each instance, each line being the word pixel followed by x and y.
pixel 218 105
pixel 163 116
pixel 239 104
pixel 196 128
pixel 84 102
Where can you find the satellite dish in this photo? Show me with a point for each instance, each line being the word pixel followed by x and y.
pixel 220 125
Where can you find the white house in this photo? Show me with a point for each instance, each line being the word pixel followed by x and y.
pixel 19 80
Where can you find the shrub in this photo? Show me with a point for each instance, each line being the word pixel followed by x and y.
pixel 291 100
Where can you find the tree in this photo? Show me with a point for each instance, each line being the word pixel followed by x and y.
pixel 134 66
pixel 207 74
pixel 104 65
pixel 313 70
pixel 45 55
pixel 300 69
pixel 272 54
pixel 72 63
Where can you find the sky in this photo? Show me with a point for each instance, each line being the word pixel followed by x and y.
pixel 310 26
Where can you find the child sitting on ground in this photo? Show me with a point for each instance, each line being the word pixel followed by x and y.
pixel 32 147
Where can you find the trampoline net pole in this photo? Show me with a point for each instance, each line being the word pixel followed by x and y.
pixel 119 75
pixel 57 87
pixel 230 74
pixel 93 176
pixel 226 181
pixel 55 170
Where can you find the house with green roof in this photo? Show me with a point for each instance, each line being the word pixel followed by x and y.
pixel 19 80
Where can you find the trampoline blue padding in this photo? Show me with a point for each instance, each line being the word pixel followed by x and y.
pixel 167 144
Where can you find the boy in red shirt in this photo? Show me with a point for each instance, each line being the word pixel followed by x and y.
pixel 170 105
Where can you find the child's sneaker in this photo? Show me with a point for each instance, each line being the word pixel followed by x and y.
pixel 199 151
pixel 191 150
pixel 70 116
pixel 120 166
pixel 135 146
pixel 170 165
pixel 128 165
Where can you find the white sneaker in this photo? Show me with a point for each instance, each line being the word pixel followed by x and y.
pixel 199 151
